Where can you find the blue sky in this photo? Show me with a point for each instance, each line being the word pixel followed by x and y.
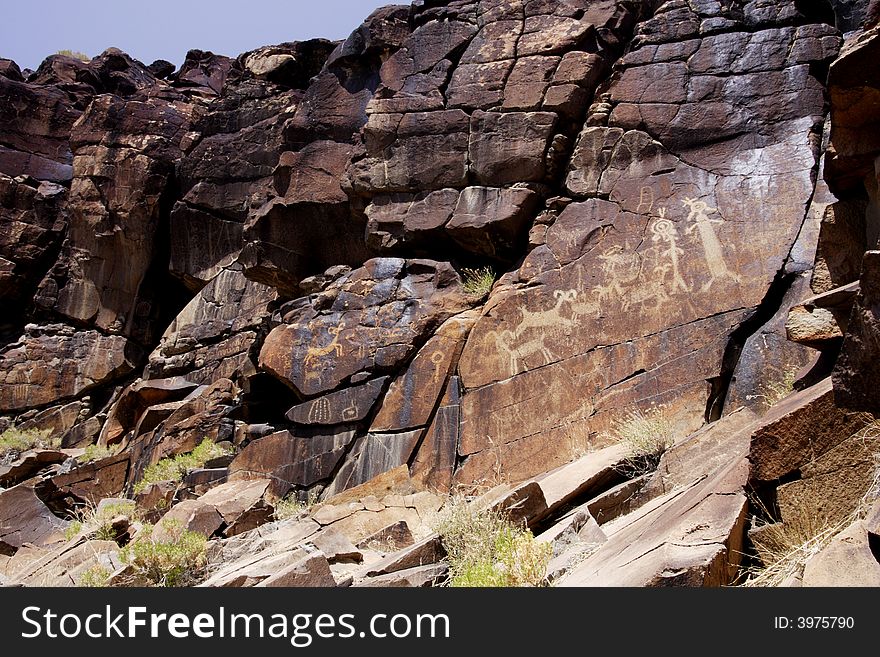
pixel 166 29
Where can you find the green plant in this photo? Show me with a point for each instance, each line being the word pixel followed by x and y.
pixel 95 453
pixel 174 468
pixel 178 558
pixel 98 521
pixel 478 282
pixel 95 577
pixel 776 391
pixel 72 530
pixel 647 435
pixel 486 549
pixel 15 441
pixel 75 54
pixel 292 507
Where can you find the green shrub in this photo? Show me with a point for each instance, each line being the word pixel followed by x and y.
pixel 95 453
pixel 98 522
pixel 486 549
pixel 174 468
pixel 15 441
pixel 291 507
pixel 478 282
pixel 179 559
pixel 95 577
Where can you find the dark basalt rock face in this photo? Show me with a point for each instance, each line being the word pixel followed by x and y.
pixel 275 251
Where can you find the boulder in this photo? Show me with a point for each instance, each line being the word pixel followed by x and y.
pixel 52 363
pixel 25 520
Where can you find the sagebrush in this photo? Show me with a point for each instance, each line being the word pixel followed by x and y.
pixel 486 549
pixel 174 468
pixel 177 558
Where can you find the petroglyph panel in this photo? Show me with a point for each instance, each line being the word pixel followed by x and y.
pixel 342 407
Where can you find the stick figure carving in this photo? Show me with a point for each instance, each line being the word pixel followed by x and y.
pixel 665 231
pixel 699 214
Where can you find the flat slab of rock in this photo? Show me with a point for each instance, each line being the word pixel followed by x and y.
pixel 689 537
pixel 849 559
pixel 582 477
pixel 28 464
pixel 799 429
pixel 427 551
pixel 418 577
pixel 24 519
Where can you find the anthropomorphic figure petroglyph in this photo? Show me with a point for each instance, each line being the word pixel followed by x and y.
pixel 664 230
pixel 699 214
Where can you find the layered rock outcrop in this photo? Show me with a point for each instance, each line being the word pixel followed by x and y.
pixel 459 249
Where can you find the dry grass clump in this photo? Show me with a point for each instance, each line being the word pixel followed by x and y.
pixel 785 547
pixel 485 549
pixel 478 282
pixel 76 54
pixel 98 521
pixel 95 577
pixel 647 435
pixel 95 453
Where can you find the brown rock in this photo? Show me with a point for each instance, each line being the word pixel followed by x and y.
pixel 427 551
pixel 373 455
pixel 822 319
pixel 136 399
pixel 854 374
pixel 291 460
pixel 392 537
pixel 28 464
pixel 212 337
pixel 345 406
pixel 336 547
pixel 24 519
pixel 510 147
pixel 491 222
pixel 192 515
pixel 797 430
pixel 90 482
pixel 433 465
pixel 318 352
pixel 848 560
pixel 83 360
pixel 418 577
pixel 428 373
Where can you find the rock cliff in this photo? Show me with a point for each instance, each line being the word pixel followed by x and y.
pixel 670 205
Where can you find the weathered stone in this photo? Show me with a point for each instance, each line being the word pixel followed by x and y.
pixel 36 128
pixel 850 559
pixel 137 398
pixel 343 407
pixel 124 160
pixel 823 318
pixel 28 464
pixel 690 537
pixel 378 313
pixel 409 219
pixel 189 515
pixel 831 485
pixel 53 363
pixel 509 147
pixel 427 551
pixel 65 565
pixel 336 547
pixel 427 373
pixel 491 222
pixel 392 537
pixel 291 460
pixel 528 82
pixel 213 335
pixel 33 219
pixel 855 375
pixel 396 145
pixel 418 577
pixel 524 503
pixel 90 482
pixel 433 465
pixel 24 519
pixel 373 455
pixel 797 430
